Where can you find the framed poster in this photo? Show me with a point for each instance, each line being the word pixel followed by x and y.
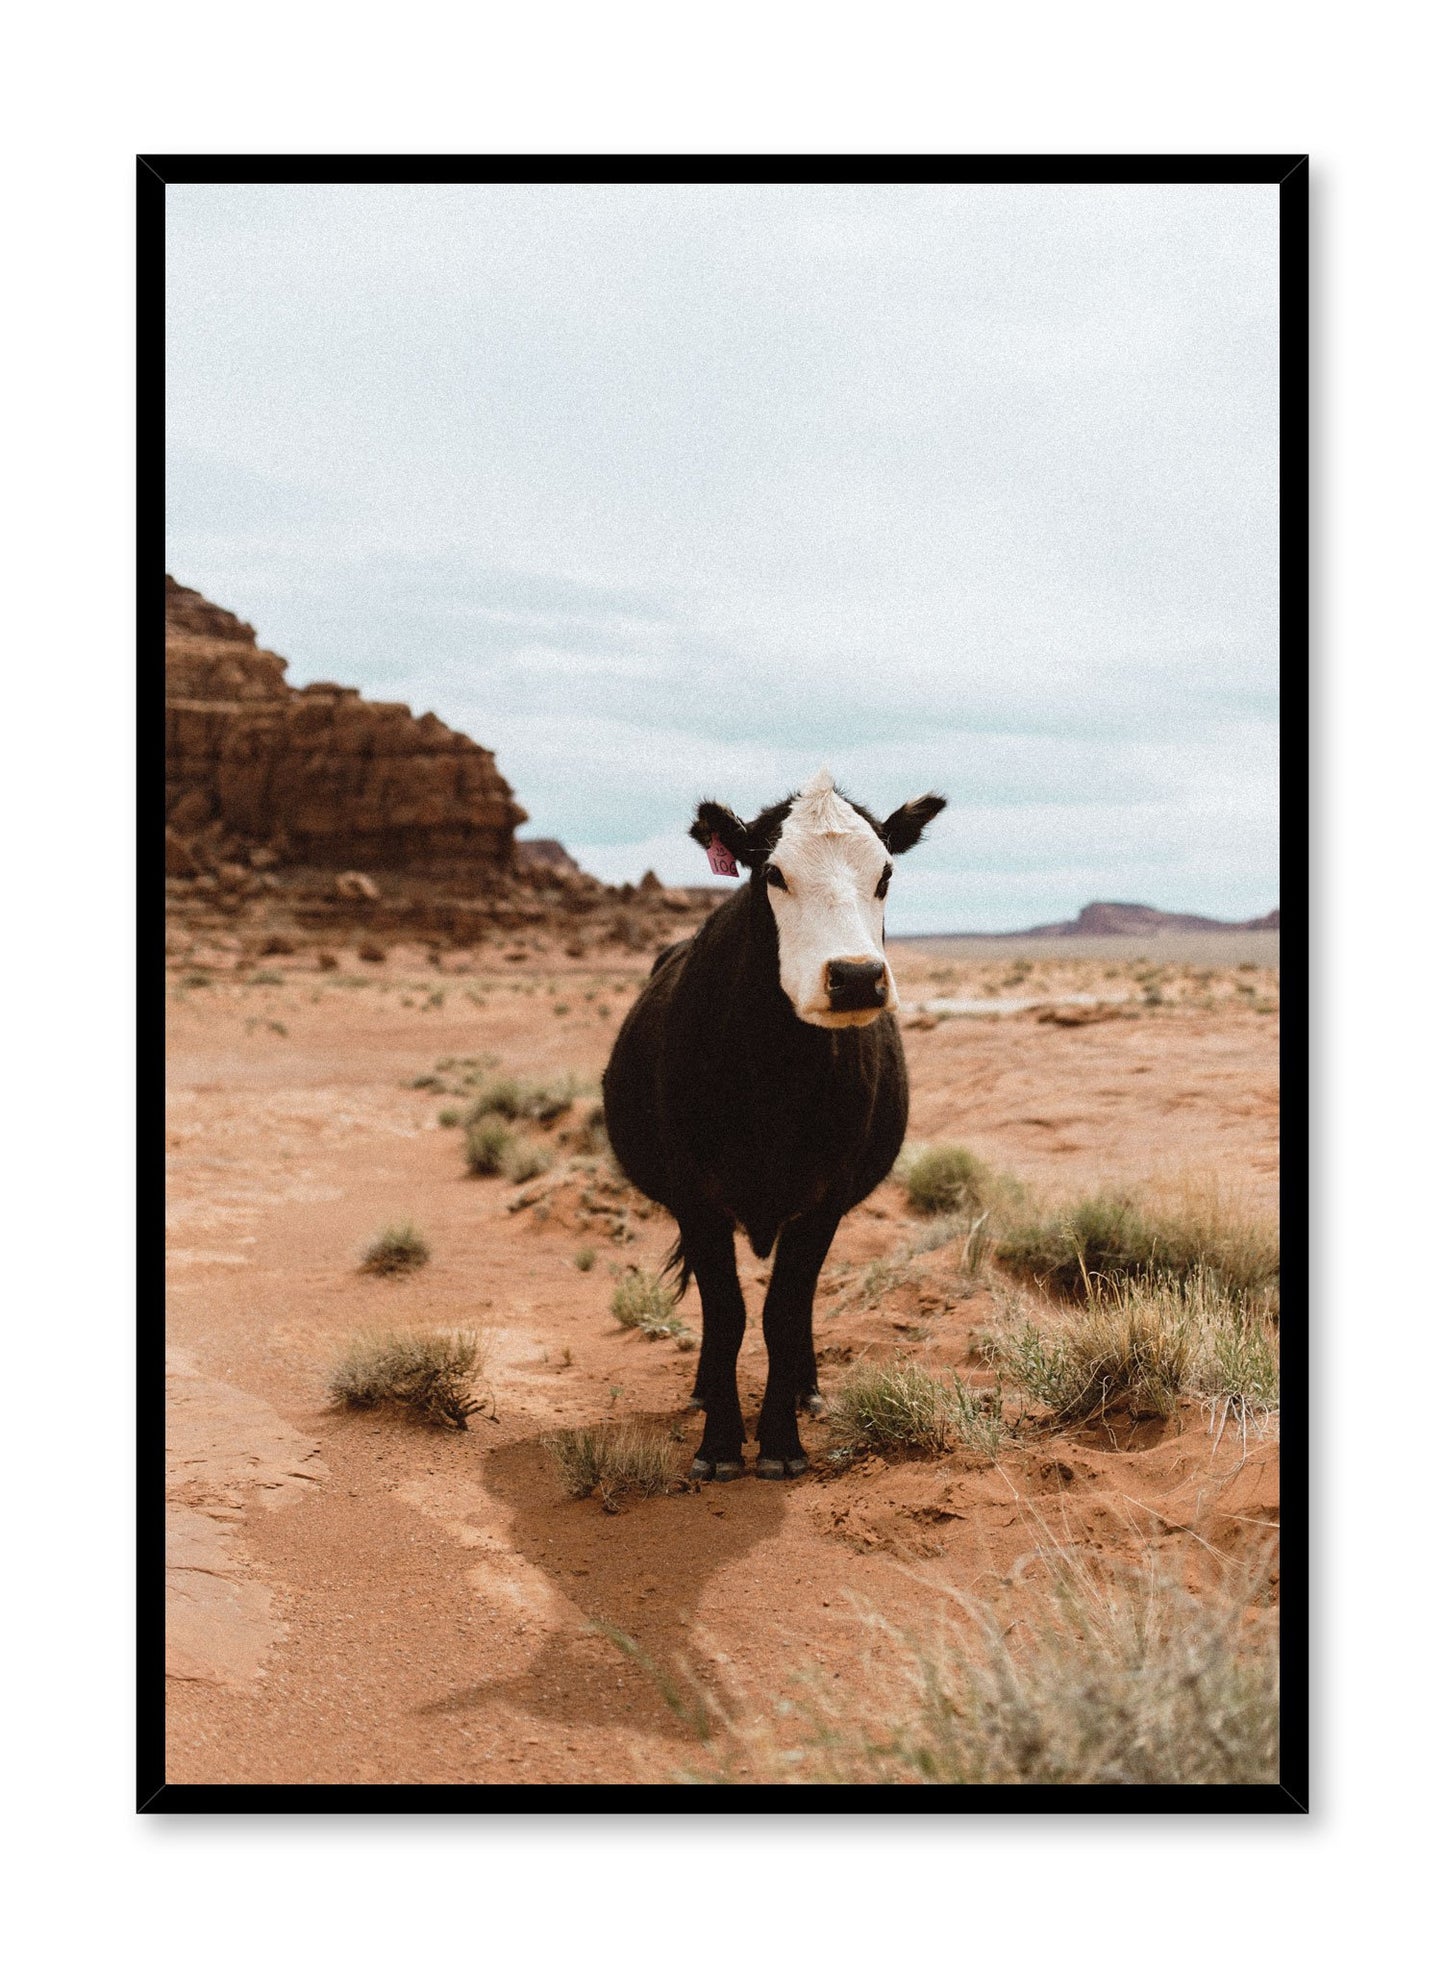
pixel 733 1133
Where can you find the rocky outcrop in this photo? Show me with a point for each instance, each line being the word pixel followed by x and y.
pixel 317 816
pixel 545 854
pixel 320 776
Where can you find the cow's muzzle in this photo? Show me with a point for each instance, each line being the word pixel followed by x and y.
pixel 856 987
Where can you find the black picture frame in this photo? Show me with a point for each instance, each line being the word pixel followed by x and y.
pixel 1289 171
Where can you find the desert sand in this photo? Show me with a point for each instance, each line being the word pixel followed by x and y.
pixel 355 1598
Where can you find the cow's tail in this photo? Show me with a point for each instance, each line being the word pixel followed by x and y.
pixel 676 1264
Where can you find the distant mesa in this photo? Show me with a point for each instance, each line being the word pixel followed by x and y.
pixel 1137 919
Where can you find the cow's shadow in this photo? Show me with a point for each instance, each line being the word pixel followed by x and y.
pixel 637 1650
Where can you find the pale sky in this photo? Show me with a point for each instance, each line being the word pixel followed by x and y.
pixel 664 492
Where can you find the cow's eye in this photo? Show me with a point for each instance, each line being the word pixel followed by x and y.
pixel 883 881
pixel 775 877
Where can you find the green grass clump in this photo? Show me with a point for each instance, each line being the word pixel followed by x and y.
pixel 432 1375
pixel 486 1144
pixel 1113 1237
pixel 399 1248
pixel 897 1405
pixel 1114 1679
pixel 644 1301
pixel 943 1180
pixel 1142 1344
pixel 611 1461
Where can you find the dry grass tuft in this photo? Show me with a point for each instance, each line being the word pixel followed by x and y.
pixel 898 1405
pixel 430 1374
pixel 611 1462
pixel 486 1144
pixel 942 1181
pixel 521 1161
pixel 644 1301
pixel 973 1235
pixel 400 1248
pixel 1114 1237
pixel 1114 1680
pixel 523 1100
pixel 1142 1343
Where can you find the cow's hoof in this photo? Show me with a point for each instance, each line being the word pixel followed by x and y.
pixel 813 1403
pixel 776 1468
pixel 706 1471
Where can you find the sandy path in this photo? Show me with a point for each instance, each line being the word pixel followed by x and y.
pixel 424 1607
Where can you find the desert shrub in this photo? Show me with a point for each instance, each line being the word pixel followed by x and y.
pixel 644 1301
pixel 1121 1679
pixel 399 1248
pixel 521 1161
pixel 1113 1237
pixel 585 1259
pixel 523 1100
pixel 640 1298
pixel 898 1405
pixel 943 1180
pixel 449 1118
pixel 611 1461
pixel 591 1136
pixel 972 1235
pixel 1143 1343
pixel 486 1144
pixel 430 1374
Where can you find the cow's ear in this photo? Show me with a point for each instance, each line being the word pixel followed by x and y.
pixel 715 819
pixel 904 825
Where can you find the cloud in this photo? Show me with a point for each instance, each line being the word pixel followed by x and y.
pixel 663 491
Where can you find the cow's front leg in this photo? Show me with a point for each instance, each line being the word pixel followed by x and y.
pixel 708 1243
pixel 788 1331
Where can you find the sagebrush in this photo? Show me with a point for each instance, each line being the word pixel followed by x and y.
pixel 399 1248
pixel 433 1375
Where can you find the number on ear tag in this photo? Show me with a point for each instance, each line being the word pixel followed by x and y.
pixel 719 860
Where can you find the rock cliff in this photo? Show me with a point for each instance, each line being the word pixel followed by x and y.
pixel 320 776
pixel 306 816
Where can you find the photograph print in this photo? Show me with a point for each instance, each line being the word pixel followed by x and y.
pixel 733 748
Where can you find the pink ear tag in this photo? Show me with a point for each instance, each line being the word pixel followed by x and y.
pixel 719 860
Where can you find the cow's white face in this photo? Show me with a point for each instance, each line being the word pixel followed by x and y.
pixel 826 880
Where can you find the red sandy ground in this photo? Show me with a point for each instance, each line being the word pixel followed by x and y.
pixel 360 1599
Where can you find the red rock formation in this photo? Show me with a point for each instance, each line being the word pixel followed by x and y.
pixel 322 775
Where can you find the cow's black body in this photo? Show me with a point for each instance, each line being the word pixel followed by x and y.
pixel 729 1110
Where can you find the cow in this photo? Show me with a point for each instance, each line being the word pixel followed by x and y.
pixel 758 1083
